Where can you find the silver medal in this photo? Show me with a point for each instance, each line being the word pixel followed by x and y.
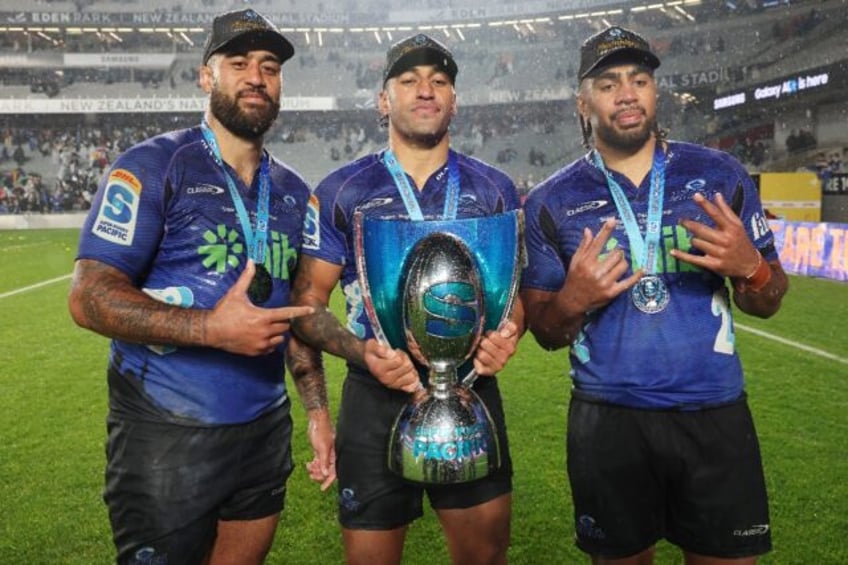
pixel 650 295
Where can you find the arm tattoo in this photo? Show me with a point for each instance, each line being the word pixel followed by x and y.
pixel 323 331
pixel 307 372
pixel 113 307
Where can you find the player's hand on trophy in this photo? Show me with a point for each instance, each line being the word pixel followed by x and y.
pixel 495 349
pixel 392 367
pixel 238 326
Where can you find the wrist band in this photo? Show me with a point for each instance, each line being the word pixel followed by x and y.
pixel 757 279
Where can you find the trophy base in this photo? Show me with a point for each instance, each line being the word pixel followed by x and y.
pixel 444 438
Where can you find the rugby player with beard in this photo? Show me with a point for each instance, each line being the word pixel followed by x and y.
pixel 185 261
pixel 634 254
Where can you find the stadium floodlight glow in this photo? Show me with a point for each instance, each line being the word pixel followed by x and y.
pixel 377 37
pixel 320 35
pixel 686 14
pixel 116 37
pixel 638 9
pixel 460 34
pixel 187 39
pixel 566 17
pixel 389 35
pixel 306 36
pixel 606 22
pixel 655 6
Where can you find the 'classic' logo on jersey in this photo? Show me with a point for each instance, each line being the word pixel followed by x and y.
pixel 375 203
pixel 118 212
pixel 205 189
pixel 311 224
pixel 586 206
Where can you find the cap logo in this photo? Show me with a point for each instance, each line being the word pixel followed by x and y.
pixel 612 44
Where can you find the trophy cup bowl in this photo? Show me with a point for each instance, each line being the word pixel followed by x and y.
pixel 433 288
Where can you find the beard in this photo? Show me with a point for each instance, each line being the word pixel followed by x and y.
pixel 246 125
pixel 627 141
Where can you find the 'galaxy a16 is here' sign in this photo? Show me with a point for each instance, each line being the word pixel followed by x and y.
pixel 778 89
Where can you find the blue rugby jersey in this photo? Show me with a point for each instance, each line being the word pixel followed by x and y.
pixel 366 185
pixel 683 356
pixel 164 216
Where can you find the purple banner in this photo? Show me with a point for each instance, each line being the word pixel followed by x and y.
pixel 812 249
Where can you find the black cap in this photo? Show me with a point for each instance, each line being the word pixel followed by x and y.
pixel 419 50
pixel 615 45
pixel 246 28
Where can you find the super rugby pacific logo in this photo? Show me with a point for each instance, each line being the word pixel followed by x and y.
pixel 118 211
pixel 452 309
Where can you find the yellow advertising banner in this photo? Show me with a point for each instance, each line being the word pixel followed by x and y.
pixel 792 196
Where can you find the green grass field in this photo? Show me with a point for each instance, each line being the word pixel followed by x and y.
pixel 53 408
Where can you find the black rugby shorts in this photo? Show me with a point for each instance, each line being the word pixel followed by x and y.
pixel 371 497
pixel 168 485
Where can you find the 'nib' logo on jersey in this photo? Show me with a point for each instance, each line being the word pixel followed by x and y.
pixel 224 249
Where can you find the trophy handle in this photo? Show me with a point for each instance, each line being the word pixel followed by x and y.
pixel 362 275
pixel 520 255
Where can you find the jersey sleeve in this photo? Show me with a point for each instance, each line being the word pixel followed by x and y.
pixel 126 220
pixel 322 237
pixel 747 204
pixel 545 269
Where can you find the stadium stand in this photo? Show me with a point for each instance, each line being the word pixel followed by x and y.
pixel 515 84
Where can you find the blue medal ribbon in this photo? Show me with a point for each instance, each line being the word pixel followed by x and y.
pixel 407 192
pixel 255 240
pixel 644 251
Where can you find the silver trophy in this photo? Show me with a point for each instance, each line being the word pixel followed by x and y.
pixel 433 288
